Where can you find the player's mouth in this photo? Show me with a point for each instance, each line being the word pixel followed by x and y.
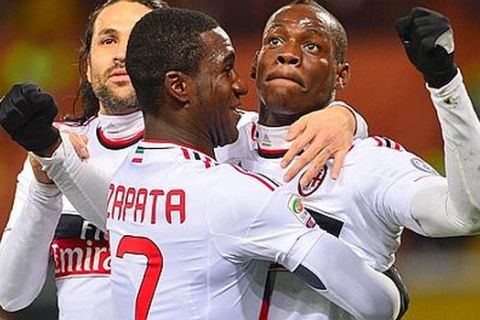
pixel 119 75
pixel 283 77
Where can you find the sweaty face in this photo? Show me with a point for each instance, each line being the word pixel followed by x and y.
pixel 296 63
pixel 219 87
pixel 106 66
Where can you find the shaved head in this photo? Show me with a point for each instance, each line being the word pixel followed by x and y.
pixel 330 22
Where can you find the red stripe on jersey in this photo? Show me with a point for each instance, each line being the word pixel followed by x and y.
pixel 271 153
pixel 379 141
pixel 137 160
pixel 389 143
pixel 267 295
pixel 253 175
pixel 208 162
pixel 118 143
pixel 185 153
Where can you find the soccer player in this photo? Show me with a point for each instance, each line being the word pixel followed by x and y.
pixel 186 232
pixel 42 224
pixel 383 188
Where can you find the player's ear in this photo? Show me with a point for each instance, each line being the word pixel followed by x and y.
pixel 342 75
pixel 253 67
pixel 178 85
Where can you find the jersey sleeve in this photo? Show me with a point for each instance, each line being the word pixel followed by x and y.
pixel 429 204
pixel 386 179
pixel 265 222
pixel 460 128
pixel 25 245
pixel 84 184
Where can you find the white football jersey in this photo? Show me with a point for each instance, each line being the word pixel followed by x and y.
pixel 80 251
pixel 367 207
pixel 185 233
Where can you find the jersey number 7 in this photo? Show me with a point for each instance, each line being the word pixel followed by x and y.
pixel 145 247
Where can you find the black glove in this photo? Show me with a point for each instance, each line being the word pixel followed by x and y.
pixel 27 113
pixel 428 40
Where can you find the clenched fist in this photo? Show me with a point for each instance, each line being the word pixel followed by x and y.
pixel 27 113
pixel 428 40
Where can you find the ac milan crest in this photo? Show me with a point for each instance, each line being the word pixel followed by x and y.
pixel 313 185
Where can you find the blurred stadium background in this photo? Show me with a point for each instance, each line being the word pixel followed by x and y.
pixel 40 40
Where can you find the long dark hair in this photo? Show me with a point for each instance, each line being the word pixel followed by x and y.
pixel 85 95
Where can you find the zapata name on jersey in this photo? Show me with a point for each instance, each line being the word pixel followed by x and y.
pixel 140 205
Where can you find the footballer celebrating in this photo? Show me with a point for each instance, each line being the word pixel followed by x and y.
pixel 383 188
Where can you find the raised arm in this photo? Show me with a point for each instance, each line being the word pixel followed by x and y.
pixel 452 208
pixel 27 114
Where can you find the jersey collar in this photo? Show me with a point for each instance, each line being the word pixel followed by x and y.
pixel 271 141
pixel 120 131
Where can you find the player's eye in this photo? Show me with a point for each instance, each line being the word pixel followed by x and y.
pixel 274 42
pixel 107 41
pixel 312 47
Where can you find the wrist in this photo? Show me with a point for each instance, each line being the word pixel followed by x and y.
pixel 349 114
pixel 437 80
pixel 48 152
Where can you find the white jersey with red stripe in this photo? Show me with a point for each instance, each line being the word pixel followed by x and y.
pixel 381 190
pixel 80 251
pixel 367 207
pixel 184 234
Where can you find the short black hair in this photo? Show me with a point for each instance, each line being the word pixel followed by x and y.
pixel 166 39
pixel 335 27
pixel 85 94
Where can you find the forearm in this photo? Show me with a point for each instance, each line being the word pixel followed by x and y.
pixel 24 250
pixel 461 134
pixel 348 282
pixel 84 185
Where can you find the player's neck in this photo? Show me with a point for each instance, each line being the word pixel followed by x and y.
pixel 162 128
pixel 120 127
pixel 271 118
pixel 116 111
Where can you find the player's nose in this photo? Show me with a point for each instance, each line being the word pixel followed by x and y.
pixel 288 58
